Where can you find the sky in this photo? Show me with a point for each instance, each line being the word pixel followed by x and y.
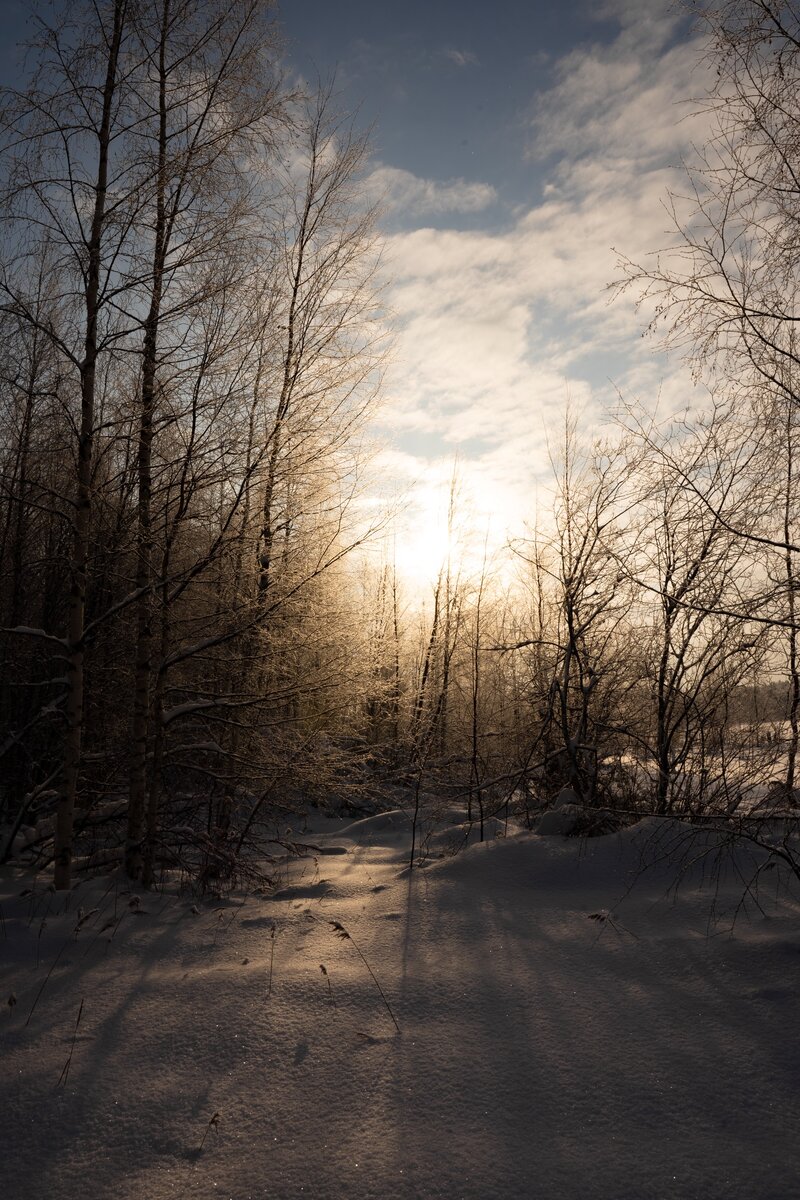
pixel 519 149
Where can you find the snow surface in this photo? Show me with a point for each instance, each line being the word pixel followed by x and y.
pixel 571 1027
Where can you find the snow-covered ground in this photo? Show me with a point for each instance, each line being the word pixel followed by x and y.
pixel 570 1027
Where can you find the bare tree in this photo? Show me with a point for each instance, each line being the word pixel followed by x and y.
pixel 726 292
pixel 699 579
pixel 583 600
pixel 208 118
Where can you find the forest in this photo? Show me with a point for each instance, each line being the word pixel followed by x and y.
pixel 203 628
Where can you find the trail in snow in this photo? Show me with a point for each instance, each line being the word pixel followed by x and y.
pixel 562 1035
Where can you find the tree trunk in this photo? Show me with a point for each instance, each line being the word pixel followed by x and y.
pixel 65 814
pixel 134 857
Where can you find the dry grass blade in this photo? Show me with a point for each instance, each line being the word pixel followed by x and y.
pixel 44 981
pixel 271 959
pixel 324 970
pixel 214 1121
pixel 342 933
pixel 64 1076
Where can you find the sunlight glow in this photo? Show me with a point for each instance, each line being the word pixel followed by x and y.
pixel 467 529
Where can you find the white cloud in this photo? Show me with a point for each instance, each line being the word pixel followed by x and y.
pixel 402 191
pixel 624 103
pixel 462 58
pixel 494 325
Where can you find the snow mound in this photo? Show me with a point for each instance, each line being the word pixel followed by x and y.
pixel 560 821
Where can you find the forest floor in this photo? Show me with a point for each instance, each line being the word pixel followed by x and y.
pixel 572 1026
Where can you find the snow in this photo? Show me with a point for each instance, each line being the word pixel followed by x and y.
pixel 561 820
pixel 573 1025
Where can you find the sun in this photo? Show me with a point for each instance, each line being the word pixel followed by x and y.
pixel 465 529
pixel 423 547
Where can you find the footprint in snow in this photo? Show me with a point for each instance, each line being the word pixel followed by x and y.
pixel 308 891
pixel 300 1053
pixel 368 1040
pixel 773 993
